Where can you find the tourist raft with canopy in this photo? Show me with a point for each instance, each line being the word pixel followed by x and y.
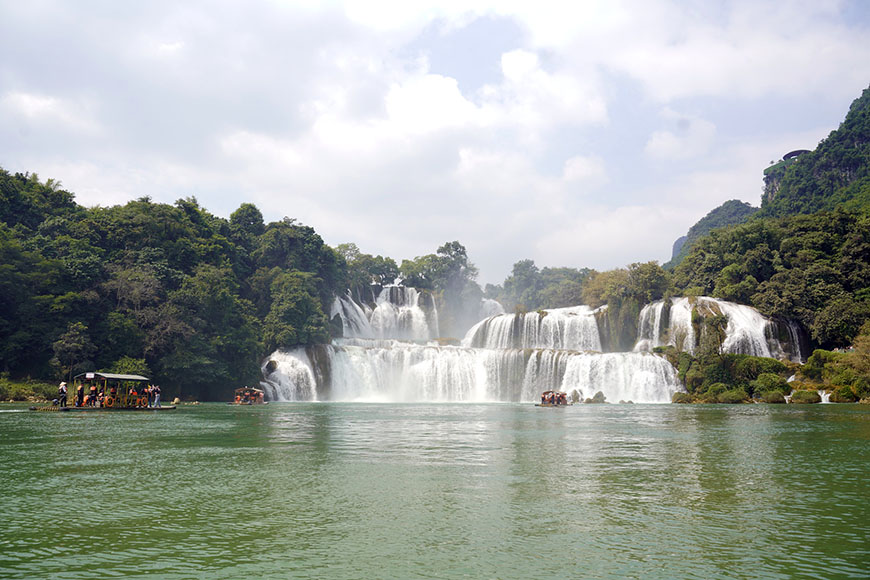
pixel 249 396
pixel 94 391
pixel 553 399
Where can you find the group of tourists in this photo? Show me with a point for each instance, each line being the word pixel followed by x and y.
pixel 248 396
pixel 554 398
pixel 100 397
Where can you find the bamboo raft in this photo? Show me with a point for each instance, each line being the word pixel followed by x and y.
pixel 56 409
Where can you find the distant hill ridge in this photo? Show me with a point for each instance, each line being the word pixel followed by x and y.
pixel 730 213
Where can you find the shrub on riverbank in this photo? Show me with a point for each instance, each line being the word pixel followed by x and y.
pixel 805 397
pixel 773 397
pixel 770 382
pixel 843 394
pixel 732 397
pixel 26 390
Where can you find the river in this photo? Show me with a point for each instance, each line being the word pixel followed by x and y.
pixel 352 490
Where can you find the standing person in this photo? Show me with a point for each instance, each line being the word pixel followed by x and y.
pixel 155 390
pixel 149 392
pixel 61 394
pixel 80 396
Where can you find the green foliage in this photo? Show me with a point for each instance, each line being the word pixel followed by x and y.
pixel 730 213
pixel 716 389
pixel 836 173
pixel 773 397
pixel 296 317
pixel 805 397
pixel 364 270
pixel 748 368
pixel 844 394
pixel 172 287
pixel 732 396
pixel 130 366
pixel 72 351
pixel 814 269
pixel 815 365
pixel 681 398
pixel 450 276
pixel 770 382
pixel 28 390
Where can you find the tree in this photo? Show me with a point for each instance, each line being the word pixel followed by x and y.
pixel 295 317
pixel 73 348
pixel 523 285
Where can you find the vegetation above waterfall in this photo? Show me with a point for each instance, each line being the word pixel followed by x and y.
pixel 530 288
pixel 730 213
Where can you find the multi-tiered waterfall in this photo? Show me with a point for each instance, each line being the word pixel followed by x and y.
pixel 389 352
pixel 505 357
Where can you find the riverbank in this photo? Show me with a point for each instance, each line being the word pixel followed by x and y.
pixel 28 391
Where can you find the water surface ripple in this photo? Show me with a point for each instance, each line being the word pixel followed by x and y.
pixel 307 490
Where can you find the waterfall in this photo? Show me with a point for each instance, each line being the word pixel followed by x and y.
pixel 354 317
pixel 573 328
pixel 681 333
pixel 395 371
pixel 289 377
pixel 489 307
pixel 622 376
pixel 748 331
pixel 649 327
pixel 825 396
pixel 397 313
pixel 388 353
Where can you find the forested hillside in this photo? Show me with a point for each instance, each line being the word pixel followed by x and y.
pixel 730 213
pixel 170 291
pixel 835 175
pixel 173 292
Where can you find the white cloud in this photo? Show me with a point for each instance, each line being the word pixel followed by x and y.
pixel 331 113
pixel 590 170
pixel 43 109
pixel 692 137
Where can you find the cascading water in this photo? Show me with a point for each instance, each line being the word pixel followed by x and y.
pixel 489 307
pixel 506 358
pixel 354 317
pixel 412 373
pixel 649 325
pixel 572 328
pixel 397 313
pixel 748 331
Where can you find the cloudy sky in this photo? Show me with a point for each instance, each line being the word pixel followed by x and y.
pixel 583 134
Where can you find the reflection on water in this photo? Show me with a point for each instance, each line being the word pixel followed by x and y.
pixel 404 491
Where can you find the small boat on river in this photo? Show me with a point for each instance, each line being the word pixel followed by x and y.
pixel 249 396
pixel 554 399
pixel 110 392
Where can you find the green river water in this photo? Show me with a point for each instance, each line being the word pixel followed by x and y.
pixel 331 490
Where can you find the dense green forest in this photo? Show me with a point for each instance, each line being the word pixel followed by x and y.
pixel 174 292
pixel 169 291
